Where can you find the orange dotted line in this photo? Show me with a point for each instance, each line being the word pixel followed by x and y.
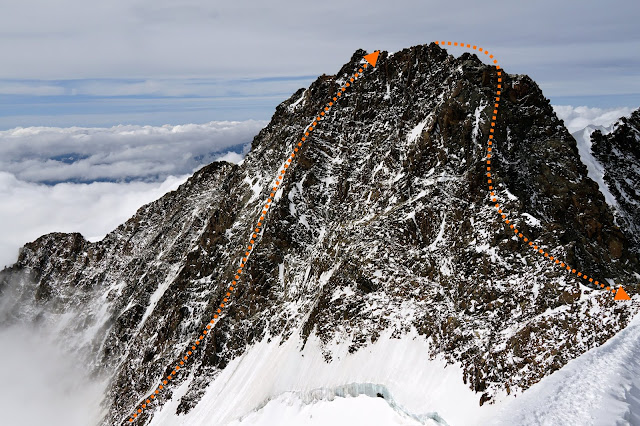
pixel 252 242
pixel 534 246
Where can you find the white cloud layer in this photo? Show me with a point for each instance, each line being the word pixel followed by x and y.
pixel 30 210
pixel 42 384
pixel 124 152
pixel 577 118
pixel 45 384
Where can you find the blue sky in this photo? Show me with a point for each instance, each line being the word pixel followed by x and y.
pixel 89 63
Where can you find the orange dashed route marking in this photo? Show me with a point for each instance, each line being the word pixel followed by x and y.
pixel 620 294
pixel 371 59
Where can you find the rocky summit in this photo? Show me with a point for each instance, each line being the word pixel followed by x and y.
pixel 383 225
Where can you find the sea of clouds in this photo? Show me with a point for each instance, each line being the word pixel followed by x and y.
pixel 120 153
pixel 90 180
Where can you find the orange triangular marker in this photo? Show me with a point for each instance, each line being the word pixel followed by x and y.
pixel 621 295
pixel 372 58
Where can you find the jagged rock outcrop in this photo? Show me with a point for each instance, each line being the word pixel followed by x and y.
pixel 384 223
pixel 619 154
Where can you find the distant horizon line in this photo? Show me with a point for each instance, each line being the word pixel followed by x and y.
pixel 253 99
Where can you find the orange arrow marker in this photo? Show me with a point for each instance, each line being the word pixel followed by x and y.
pixel 621 295
pixel 372 58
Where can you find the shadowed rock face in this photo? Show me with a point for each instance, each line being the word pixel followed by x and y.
pixel 384 223
pixel 619 153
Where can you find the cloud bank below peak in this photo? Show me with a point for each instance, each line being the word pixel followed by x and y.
pixel 120 153
pixel 90 180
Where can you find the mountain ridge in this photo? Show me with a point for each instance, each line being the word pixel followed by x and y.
pixel 387 207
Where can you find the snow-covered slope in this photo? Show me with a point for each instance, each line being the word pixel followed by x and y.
pixel 600 388
pixel 398 370
pixel 612 157
pixel 290 410
pixel 382 265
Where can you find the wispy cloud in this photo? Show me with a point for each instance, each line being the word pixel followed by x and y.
pixel 119 153
pixel 157 87
pixel 151 101
pixel 45 384
pixel 577 118
pixel 32 88
pixel 591 43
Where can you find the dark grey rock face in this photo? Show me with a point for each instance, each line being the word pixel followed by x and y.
pixel 383 223
pixel 619 153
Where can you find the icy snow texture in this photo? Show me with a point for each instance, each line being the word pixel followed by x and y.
pixel 594 168
pixel 415 386
pixel 601 387
pixel 289 410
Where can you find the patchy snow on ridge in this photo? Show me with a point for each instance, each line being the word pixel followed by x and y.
pixel 601 387
pixel 293 106
pixel 531 220
pixel 477 121
pixel 417 131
